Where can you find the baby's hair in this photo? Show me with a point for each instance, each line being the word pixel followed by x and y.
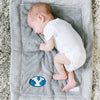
pixel 40 8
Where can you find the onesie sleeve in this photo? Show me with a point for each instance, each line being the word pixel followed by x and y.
pixel 48 33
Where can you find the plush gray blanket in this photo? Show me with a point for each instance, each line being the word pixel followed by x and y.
pixel 28 61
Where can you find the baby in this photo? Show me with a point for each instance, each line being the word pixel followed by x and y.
pixel 59 33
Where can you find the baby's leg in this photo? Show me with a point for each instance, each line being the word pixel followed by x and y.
pixel 71 82
pixel 59 61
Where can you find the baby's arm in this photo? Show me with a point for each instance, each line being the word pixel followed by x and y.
pixel 48 46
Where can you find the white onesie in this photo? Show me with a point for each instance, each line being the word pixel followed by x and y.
pixel 67 41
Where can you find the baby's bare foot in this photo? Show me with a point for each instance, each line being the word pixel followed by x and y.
pixel 69 86
pixel 59 77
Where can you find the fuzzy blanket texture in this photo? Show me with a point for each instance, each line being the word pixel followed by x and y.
pixel 5 50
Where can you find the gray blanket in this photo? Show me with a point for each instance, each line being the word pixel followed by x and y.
pixel 28 61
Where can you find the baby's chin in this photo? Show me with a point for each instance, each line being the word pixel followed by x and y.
pixel 41 33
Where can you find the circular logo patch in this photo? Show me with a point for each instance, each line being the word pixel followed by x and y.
pixel 37 81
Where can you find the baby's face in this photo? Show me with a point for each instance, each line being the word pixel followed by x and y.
pixel 37 25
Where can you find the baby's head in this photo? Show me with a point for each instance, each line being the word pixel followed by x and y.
pixel 38 16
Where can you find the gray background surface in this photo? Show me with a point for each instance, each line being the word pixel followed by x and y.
pixel 5 50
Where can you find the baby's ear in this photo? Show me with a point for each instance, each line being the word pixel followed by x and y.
pixel 41 18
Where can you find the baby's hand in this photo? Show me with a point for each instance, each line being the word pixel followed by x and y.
pixel 48 46
pixel 42 46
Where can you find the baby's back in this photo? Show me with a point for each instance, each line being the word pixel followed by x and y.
pixel 65 37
